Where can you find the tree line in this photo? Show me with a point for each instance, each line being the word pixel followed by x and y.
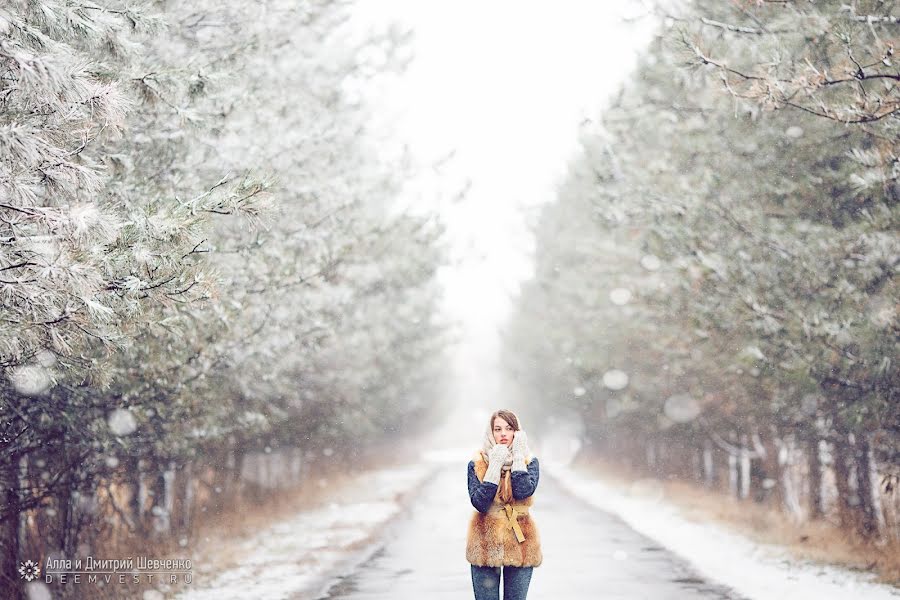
pixel 714 293
pixel 207 280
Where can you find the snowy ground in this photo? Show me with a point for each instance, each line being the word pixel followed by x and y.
pixel 296 557
pixel 757 571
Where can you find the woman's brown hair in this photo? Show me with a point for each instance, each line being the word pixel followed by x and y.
pixel 506 415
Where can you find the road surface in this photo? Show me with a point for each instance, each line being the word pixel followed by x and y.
pixel 588 554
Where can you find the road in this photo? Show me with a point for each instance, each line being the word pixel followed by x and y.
pixel 587 553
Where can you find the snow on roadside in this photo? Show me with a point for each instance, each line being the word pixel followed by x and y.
pixel 300 554
pixel 757 571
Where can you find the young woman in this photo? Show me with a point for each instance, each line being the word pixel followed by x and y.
pixel 502 535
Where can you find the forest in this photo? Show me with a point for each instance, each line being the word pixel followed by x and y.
pixel 714 294
pixel 206 279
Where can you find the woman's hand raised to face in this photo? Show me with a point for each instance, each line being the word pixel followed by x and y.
pixel 496 458
pixel 499 453
pixel 519 450
pixel 520 444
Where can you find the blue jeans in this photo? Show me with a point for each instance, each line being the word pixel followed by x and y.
pixel 486 582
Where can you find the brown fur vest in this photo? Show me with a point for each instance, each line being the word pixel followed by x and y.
pixel 492 541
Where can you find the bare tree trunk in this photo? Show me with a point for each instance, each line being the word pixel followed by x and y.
pixel 770 470
pixel 136 503
pixel 9 531
pixel 65 503
pixel 184 498
pixel 709 470
pixel 733 475
pixel 24 487
pixel 157 494
pixel 633 454
pixel 696 464
pixel 814 467
pixel 663 457
pixel 651 455
pixel 868 524
pixel 842 456
pixel 686 463
pixel 236 462
pixel 167 501
pixel 722 467
pixel 792 490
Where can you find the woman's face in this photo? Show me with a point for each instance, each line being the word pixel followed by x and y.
pixel 503 431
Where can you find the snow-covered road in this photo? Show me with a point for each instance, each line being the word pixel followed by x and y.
pixel 587 553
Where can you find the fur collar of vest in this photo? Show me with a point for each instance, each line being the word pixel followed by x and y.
pixel 491 540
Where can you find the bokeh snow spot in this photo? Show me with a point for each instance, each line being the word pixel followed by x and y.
pixel 121 422
pixel 620 296
pixel 30 380
pixel 38 590
pixel 682 408
pixel 614 379
pixel 650 262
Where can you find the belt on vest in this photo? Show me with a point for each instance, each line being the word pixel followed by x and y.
pixel 512 513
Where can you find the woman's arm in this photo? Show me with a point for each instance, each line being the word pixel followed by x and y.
pixel 525 482
pixel 481 493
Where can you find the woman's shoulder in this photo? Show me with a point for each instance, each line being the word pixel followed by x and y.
pixel 476 456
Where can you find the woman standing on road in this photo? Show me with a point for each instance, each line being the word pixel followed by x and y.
pixel 502 478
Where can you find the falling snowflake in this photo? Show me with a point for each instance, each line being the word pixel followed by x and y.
pixel 650 262
pixel 30 380
pixel 615 379
pixel 121 422
pixel 753 352
pixel 37 590
pixel 620 296
pixel 681 408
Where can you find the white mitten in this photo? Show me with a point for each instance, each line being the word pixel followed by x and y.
pixel 496 458
pixel 520 450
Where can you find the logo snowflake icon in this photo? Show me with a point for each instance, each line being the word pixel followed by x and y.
pixel 29 570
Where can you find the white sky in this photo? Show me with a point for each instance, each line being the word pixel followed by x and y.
pixel 504 85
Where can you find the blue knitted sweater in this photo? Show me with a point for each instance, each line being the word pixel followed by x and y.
pixel 482 493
